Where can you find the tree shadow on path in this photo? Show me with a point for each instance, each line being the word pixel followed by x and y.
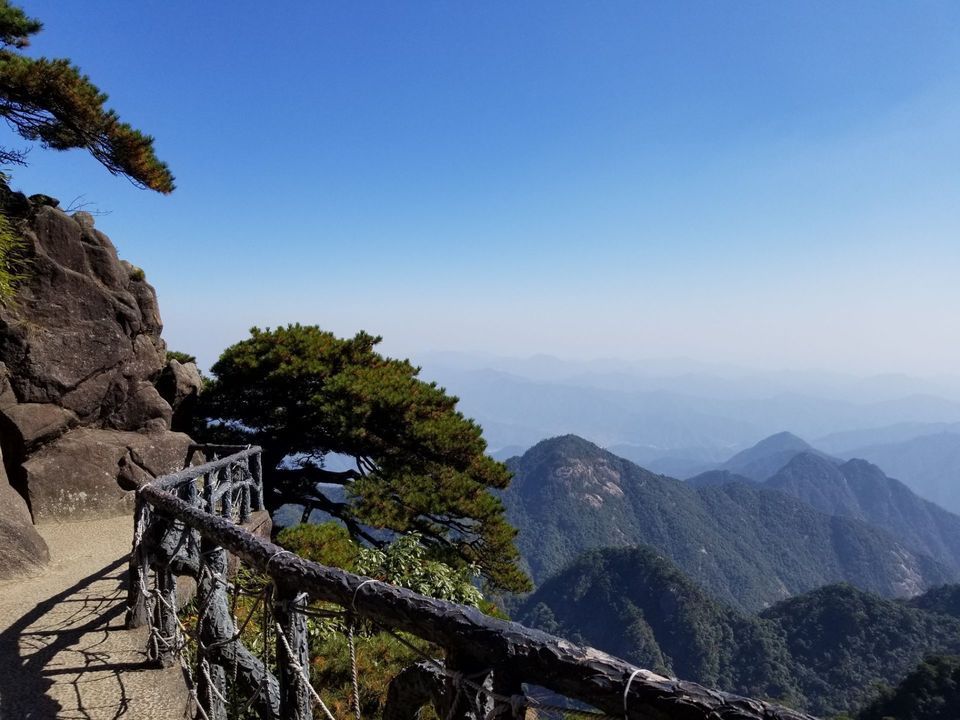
pixel 69 634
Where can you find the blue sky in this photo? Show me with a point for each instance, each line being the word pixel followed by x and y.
pixel 770 184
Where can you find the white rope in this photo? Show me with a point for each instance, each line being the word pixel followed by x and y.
pixel 304 678
pixel 205 667
pixel 626 692
pixel 277 554
pixel 353 602
pixel 351 626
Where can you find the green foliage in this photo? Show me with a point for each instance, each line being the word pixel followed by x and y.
pixel 325 543
pixel 634 603
pixel 11 261
pixel 931 692
pixel 302 393
pixel 380 656
pixel 180 357
pixel 51 102
pixel 404 562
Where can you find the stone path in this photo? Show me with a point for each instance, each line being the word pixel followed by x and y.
pixel 64 652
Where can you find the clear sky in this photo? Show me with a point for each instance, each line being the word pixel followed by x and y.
pixel 772 184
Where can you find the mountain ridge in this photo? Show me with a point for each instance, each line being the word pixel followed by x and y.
pixel 748 545
pixel 825 651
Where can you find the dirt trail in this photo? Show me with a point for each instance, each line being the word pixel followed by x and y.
pixel 64 652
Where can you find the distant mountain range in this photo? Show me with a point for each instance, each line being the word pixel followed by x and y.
pixel 825 651
pixel 748 545
pixel 929 465
pixel 768 456
pixel 677 407
pixel 857 489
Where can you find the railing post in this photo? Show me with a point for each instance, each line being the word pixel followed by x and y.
pixel 244 504
pixel 189 494
pixel 293 652
pixel 461 699
pixel 138 575
pixel 211 680
pixel 227 497
pixel 256 470
pixel 165 610
pixel 209 485
pixel 211 677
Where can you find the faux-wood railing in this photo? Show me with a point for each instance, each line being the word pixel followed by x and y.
pixel 187 523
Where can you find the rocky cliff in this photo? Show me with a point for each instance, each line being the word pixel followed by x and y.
pixel 81 358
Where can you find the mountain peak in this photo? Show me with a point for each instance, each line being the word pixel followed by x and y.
pixel 566 445
pixel 782 441
pixel 768 456
pixel 714 478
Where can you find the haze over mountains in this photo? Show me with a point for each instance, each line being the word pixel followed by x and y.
pixel 785 535
pixel 682 418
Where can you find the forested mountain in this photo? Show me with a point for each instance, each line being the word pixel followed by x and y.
pixel 766 457
pixel 825 651
pixel 749 546
pixel 931 692
pixel 634 603
pixel 845 641
pixel 716 478
pixel 860 490
pixel 944 600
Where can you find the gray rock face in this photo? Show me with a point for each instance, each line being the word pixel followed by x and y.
pixel 22 550
pixel 80 356
pixel 76 476
pixel 180 385
pixel 84 332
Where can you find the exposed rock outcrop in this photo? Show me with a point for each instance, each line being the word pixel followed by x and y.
pixel 22 550
pixel 180 385
pixel 76 477
pixel 80 357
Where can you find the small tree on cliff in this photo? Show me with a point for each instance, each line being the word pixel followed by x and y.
pixel 53 103
pixel 302 393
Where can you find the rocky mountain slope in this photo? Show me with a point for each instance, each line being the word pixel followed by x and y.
pixel 80 355
pixel 857 489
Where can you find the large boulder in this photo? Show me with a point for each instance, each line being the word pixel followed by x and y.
pixel 75 477
pixel 22 550
pixel 180 385
pixel 80 356
pixel 84 331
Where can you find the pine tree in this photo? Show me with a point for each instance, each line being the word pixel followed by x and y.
pixel 51 102
pixel 420 466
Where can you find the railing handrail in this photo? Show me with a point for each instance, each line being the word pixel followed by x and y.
pixel 193 472
pixel 582 673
